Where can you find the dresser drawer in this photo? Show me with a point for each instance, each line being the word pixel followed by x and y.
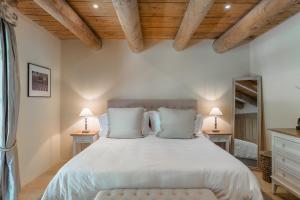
pixel 287 147
pixel 291 165
pixel 289 178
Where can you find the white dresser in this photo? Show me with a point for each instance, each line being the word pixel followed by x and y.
pixel 286 159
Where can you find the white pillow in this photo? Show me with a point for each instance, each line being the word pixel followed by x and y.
pixel 198 123
pixel 104 127
pixel 125 122
pixel 146 124
pixel 177 123
pixel 155 122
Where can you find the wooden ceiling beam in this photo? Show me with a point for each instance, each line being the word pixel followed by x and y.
pixel 129 18
pixel 12 3
pixel 194 15
pixel 246 88
pixel 62 12
pixel 255 20
pixel 245 98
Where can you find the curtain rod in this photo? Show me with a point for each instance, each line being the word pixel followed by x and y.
pixel 7 13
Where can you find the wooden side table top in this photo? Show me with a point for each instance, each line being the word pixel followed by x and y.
pixel 221 132
pixel 79 133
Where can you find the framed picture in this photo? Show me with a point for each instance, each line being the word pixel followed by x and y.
pixel 39 81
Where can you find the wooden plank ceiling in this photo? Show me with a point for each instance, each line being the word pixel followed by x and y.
pixel 246 92
pixel 160 19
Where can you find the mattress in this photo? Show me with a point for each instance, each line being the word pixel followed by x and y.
pixel 153 162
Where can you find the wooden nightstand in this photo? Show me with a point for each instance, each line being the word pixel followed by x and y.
pixel 83 138
pixel 221 136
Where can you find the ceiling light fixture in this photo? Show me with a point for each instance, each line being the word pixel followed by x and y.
pixel 227 6
pixel 95 6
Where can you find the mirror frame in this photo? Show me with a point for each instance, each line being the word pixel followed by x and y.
pixel 259 114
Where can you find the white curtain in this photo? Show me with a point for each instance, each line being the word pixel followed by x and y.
pixel 9 110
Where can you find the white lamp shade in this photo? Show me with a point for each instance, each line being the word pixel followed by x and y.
pixel 215 111
pixel 86 113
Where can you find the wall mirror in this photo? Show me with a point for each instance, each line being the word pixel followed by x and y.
pixel 247 119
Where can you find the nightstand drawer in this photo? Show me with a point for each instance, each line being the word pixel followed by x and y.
pixel 85 139
pixel 219 138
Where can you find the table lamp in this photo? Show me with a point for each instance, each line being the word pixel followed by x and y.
pixel 86 113
pixel 215 111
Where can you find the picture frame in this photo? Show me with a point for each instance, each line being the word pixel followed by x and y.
pixel 39 81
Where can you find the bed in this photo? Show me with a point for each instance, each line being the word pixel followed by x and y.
pixel 152 162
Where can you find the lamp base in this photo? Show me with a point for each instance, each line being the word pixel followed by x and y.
pixel 215 130
pixel 85 131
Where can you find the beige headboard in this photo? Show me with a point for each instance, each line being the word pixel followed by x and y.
pixel 154 104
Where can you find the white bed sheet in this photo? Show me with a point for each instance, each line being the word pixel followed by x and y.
pixel 153 162
pixel 245 149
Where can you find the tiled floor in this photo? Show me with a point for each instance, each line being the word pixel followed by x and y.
pixel 34 190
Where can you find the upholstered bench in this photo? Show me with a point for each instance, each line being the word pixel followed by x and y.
pixel 156 194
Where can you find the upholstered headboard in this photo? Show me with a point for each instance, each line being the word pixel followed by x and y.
pixel 153 104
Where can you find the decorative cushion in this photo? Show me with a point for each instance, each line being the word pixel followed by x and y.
pixel 146 124
pixel 156 194
pixel 176 123
pixel 198 123
pixel 155 122
pixel 103 122
pixel 125 122
pixel 104 127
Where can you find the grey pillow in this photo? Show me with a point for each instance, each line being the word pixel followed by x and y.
pixel 177 123
pixel 125 123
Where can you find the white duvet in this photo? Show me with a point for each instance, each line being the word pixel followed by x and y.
pixel 153 162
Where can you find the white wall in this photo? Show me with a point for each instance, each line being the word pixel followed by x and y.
pixel 90 78
pixel 39 119
pixel 276 56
